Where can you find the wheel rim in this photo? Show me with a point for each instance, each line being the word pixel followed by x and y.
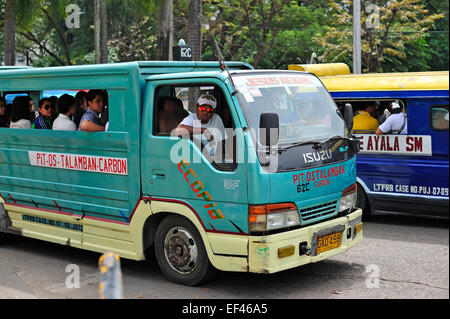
pixel 180 250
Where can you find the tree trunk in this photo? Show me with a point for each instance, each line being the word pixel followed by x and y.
pixel 195 28
pixel 165 30
pixel 10 33
pixel 101 37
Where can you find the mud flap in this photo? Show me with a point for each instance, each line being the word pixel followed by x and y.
pixel 5 222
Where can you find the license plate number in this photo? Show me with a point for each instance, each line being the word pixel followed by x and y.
pixel 328 242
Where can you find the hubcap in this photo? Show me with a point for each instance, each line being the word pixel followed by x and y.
pixel 180 250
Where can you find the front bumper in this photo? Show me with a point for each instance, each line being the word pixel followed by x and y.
pixel 264 254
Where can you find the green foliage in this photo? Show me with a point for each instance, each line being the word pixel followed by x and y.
pixel 266 34
pixel 137 42
pixel 389 34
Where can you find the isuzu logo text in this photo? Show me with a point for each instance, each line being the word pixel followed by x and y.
pixel 316 156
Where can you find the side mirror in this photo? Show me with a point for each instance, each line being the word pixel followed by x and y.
pixel 269 128
pixel 348 116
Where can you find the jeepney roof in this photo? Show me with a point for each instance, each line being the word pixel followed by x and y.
pixel 337 78
pixel 388 81
pixel 144 67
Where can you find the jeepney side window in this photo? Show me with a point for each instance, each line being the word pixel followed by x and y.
pixel 359 107
pixel 439 117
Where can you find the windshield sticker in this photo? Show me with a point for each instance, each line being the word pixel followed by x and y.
pixel 255 92
pixel 280 80
pixel 246 93
pixel 396 144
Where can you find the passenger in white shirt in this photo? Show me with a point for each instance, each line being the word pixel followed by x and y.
pixel 67 109
pixel 204 121
pixel 396 123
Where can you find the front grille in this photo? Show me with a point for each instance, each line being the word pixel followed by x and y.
pixel 318 212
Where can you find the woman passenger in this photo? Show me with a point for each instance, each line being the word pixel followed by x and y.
pixel 21 113
pixel 4 121
pixel 80 106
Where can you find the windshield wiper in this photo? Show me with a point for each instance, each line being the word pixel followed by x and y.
pixel 315 143
pixel 337 137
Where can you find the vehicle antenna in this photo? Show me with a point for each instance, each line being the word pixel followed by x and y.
pixel 222 65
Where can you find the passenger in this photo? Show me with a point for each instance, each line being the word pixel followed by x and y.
pixel 67 108
pixel 80 106
pixel 363 122
pixel 396 123
pixel 4 121
pixel 21 113
pixel 90 121
pixel 171 114
pixel 104 115
pixel 204 120
pixel 33 109
pixel 54 107
pixel 44 120
pixel 444 123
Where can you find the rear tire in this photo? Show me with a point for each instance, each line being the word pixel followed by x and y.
pixel 180 252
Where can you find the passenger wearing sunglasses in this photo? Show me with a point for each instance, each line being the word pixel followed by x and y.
pixel 44 120
pixel 204 120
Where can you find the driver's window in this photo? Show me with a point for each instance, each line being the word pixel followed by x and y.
pixel 189 110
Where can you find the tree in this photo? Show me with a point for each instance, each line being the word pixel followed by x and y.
pixel 388 28
pixel 44 32
pixel 165 30
pixel 101 34
pixel 10 33
pixel 195 28
pixel 137 42
pixel 248 28
pixel 438 38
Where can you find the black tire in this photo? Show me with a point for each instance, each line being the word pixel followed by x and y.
pixel 363 202
pixel 180 252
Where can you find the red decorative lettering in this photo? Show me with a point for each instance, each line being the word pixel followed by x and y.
pixel 418 144
pixel 410 143
pixel 396 144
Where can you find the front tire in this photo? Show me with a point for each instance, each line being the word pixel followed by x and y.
pixel 363 202
pixel 180 252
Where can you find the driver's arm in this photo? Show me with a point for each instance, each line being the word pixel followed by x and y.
pixel 184 130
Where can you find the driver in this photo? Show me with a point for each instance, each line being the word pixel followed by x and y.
pixel 204 120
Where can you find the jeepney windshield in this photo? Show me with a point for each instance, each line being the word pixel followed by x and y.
pixel 305 109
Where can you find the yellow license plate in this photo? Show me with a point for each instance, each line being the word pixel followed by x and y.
pixel 328 242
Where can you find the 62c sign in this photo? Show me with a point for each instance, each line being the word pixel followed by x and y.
pixel 186 52
pixel 182 53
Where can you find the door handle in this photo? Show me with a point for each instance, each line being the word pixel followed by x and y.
pixel 158 174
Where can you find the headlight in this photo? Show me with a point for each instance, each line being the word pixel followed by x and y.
pixel 348 199
pixel 272 216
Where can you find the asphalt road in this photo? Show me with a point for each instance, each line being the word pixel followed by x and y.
pixel 400 258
